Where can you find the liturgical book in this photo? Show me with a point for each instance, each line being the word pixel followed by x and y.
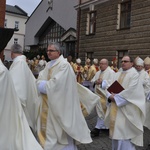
pixel 115 88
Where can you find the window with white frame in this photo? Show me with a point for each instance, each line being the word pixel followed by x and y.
pixel 124 15
pixel 91 23
pixel 16 24
pixel 15 41
pixel 5 23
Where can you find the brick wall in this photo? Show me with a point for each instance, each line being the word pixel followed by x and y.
pixel 108 39
pixel 2 12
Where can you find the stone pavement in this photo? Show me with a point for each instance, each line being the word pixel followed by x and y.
pixel 103 142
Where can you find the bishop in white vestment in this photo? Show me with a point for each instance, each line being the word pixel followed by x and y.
pixel 126 112
pixel 145 79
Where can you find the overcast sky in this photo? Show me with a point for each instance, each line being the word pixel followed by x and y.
pixel 27 5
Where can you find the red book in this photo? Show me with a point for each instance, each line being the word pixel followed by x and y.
pixel 78 67
pixel 115 88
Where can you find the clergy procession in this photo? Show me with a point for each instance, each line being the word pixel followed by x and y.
pixel 47 109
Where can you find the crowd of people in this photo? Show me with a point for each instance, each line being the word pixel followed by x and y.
pixel 130 105
pixel 46 109
pixel 43 113
pixel 36 64
pixel 123 114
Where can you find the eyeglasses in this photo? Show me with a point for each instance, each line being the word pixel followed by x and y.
pixel 51 50
pixel 125 61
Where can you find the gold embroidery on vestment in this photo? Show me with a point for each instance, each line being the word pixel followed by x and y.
pixel 113 110
pixel 42 133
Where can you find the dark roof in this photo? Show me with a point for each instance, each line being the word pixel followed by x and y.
pixel 15 10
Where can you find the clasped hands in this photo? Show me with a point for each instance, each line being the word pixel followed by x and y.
pixel 98 81
pixel 111 97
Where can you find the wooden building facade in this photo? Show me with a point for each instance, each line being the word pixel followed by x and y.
pixel 113 28
pixel 52 21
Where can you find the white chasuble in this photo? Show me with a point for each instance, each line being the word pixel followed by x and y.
pixel 130 117
pixel 14 128
pixel 25 86
pixel 106 75
pixel 64 116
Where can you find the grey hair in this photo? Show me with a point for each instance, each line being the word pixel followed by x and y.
pixel 107 61
pixel 16 48
pixel 56 46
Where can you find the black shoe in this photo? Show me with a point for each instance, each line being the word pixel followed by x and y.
pixel 95 132
pixel 104 131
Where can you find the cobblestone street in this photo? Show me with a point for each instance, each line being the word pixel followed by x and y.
pixel 103 142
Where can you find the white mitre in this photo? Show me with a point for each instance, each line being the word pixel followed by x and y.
pixel 95 61
pixel 78 60
pixel 147 61
pixel 139 62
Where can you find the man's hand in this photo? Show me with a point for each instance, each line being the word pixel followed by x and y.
pixel 111 97
pixel 99 81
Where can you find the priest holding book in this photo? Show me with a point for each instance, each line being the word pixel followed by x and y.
pixel 126 111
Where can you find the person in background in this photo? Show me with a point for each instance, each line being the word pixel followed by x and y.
pixel 38 57
pixel 103 76
pixel 134 62
pixel 147 65
pixel 14 128
pixel 35 67
pixel 42 63
pixel 93 69
pixel 144 77
pixel 114 65
pixel 69 59
pixel 62 124
pixel 79 71
pixel 87 83
pixel 125 114
pixel 25 85
pixel 86 68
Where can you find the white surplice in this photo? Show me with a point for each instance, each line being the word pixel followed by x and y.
pixel 14 128
pixel 131 115
pixel 107 76
pixel 122 145
pixel 87 98
pixel 25 85
pixel 145 78
pixel 65 117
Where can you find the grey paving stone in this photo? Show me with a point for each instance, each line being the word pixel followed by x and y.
pixel 103 142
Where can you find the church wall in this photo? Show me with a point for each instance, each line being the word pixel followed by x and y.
pixel 108 40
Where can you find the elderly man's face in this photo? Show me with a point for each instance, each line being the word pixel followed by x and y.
pixel 126 63
pixel 103 64
pixel 138 67
pixel 146 66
